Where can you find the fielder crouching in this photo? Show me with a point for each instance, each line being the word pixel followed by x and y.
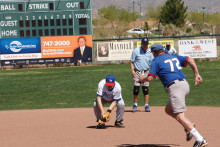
pixel 109 92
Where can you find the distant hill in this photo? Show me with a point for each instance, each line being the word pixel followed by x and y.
pixel 193 5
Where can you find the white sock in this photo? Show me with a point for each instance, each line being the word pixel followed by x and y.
pixel 196 134
pixel 135 104
pixel 146 104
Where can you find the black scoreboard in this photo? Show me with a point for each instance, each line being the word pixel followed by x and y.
pixel 35 18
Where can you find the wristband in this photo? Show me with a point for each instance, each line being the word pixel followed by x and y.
pixel 109 110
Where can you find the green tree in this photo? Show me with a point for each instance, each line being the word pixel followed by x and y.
pixel 146 26
pixel 118 19
pixel 196 18
pixel 100 30
pixel 213 19
pixel 173 12
pixel 213 22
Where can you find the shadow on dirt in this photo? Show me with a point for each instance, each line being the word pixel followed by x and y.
pixel 134 112
pixel 148 145
pixel 94 127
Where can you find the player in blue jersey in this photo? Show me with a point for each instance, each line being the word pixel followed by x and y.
pixel 169 70
pixel 140 62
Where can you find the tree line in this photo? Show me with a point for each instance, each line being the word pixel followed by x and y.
pixel 170 18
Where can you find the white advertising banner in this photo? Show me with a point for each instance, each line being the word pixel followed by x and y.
pixel 198 48
pixel 111 51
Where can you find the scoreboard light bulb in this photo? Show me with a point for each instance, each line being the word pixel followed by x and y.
pixel 81 5
pixel 20 7
pixel 51 6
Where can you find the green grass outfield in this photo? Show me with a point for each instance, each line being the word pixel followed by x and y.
pixel 73 87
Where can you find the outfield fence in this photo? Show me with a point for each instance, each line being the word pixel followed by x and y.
pixel 118 50
pixel 196 40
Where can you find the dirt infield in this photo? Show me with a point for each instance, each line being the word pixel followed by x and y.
pixel 76 128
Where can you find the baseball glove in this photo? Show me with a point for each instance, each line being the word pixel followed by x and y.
pixel 106 117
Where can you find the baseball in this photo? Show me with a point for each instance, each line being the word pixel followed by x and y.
pixel 104 117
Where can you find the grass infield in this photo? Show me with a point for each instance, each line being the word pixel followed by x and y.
pixel 73 87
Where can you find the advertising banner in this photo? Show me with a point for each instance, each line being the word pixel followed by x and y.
pixel 46 50
pixel 25 48
pixel 62 46
pixel 163 42
pixel 53 47
pixel 36 61
pixel 111 51
pixel 198 48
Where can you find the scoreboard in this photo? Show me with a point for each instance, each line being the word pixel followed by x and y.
pixel 44 31
pixel 36 18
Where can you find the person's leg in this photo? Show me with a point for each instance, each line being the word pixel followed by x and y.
pixel 188 125
pixel 136 89
pixel 185 122
pixel 169 110
pixel 135 97
pixel 176 108
pixel 145 90
pixel 135 94
pixel 120 114
pixel 146 98
pixel 97 112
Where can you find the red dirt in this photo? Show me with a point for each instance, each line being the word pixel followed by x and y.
pixel 76 128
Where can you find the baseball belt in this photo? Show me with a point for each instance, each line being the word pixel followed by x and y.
pixel 171 83
pixel 140 72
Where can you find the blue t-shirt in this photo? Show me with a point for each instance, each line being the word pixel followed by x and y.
pixel 141 59
pixel 168 67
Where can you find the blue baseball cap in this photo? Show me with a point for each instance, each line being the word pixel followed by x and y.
pixel 168 43
pixel 156 47
pixel 144 41
pixel 110 80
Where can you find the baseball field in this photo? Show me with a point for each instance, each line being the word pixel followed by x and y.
pixel 53 107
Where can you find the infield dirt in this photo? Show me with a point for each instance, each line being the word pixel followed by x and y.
pixel 76 127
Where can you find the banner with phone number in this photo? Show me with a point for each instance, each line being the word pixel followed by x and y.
pixel 23 51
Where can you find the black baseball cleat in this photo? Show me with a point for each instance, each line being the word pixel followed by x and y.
pixel 119 124
pixel 202 143
pixel 100 126
pixel 188 135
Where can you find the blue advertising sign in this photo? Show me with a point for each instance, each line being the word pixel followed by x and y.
pixel 20 45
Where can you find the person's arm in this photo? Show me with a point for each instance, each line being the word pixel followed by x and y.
pixel 132 69
pixel 99 101
pixel 112 106
pixel 198 78
pixel 175 52
pixel 146 79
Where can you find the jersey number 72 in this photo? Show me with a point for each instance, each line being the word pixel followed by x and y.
pixel 172 62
